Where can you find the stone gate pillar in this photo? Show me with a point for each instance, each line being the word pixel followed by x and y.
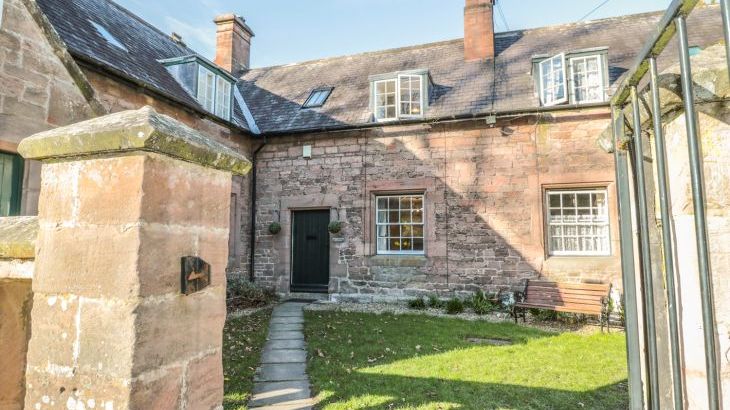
pixel 124 197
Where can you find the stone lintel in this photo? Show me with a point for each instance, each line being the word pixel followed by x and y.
pixel 129 131
pixel 17 237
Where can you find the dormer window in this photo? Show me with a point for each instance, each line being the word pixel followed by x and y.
pixel 317 98
pixel 209 85
pixel 577 78
pixel 399 95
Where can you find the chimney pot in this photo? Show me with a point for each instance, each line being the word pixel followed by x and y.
pixel 233 43
pixel 479 30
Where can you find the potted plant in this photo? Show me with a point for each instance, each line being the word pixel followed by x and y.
pixel 334 227
pixel 274 228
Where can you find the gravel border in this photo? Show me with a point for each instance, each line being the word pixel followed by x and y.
pixel 495 317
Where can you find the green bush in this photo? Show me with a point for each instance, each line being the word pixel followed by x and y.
pixel 418 303
pixel 454 306
pixel 242 294
pixel 481 304
pixel 434 302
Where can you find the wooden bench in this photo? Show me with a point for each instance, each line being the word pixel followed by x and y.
pixel 582 298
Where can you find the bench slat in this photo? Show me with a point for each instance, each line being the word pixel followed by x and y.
pixel 562 296
pixel 566 285
pixel 570 291
pixel 568 309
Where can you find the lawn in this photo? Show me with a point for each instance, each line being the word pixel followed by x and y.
pixel 243 338
pixel 366 361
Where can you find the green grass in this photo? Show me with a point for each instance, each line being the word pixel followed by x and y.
pixel 365 361
pixel 243 338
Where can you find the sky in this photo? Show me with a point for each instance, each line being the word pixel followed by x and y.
pixel 289 31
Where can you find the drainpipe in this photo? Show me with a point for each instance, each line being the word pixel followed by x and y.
pixel 251 277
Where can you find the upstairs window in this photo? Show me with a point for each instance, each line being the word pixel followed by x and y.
pixel 553 87
pixel 317 98
pixel 400 95
pixel 577 78
pixel 410 95
pixel 11 179
pixel 587 78
pixel 214 93
pixel 385 103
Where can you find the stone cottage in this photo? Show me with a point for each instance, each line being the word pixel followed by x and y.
pixel 446 167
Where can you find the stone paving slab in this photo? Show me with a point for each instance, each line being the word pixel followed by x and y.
pixel 280 327
pixel 287 319
pixel 277 393
pixel 299 315
pixel 294 405
pixel 284 356
pixel 286 335
pixel 281 372
pixel 285 344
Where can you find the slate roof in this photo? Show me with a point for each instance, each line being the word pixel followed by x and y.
pixel 144 43
pixel 275 94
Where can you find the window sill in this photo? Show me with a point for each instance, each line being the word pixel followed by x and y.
pixel 583 262
pixel 397 260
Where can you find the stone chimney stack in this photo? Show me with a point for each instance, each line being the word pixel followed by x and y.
pixel 233 44
pixel 479 30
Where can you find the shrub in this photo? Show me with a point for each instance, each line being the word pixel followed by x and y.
pixel 434 302
pixel 481 304
pixel 418 303
pixel 242 294
pixel 454 306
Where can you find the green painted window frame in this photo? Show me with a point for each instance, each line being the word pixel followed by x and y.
pixel 16 183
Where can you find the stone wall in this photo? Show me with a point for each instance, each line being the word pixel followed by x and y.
pixel 17 252
pixel 36 91
pixel 484 193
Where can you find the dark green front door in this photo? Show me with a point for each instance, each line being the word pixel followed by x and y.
pixel 310 251
pixel 11 178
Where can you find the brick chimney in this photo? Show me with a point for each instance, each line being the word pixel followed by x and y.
pixel 233 43
pixel 479 30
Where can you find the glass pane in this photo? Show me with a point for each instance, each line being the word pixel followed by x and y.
pixel 593 64
pixel 382 217
pixel 570 244
pixel 382 203
pixel 417 244
pixel 417 216
pixel 394 230
pixel 394 216
pixel 405 202
pixel 382 244
pixel 393 202
pixel 416 109
pixel 556 244
pixel 556 231
pixel 405 108
pixel 406 230
pixel 417 202
pixel 555 215
pixel 554 201
pixel 390 112
pixel 394 244
pixel 383 231
pixel 569 200
pixel 570 230
pixel 381 112
pixel 418 231
pixel 405 216
pixel 569 215
pixel 584 199
pixel 406 244
pixel 390 86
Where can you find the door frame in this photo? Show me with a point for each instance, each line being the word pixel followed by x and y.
pixel 291 212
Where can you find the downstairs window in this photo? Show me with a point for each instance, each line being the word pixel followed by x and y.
pixel 399 224
pixel 577 222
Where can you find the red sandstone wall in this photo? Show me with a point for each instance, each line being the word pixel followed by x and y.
pixel 484 189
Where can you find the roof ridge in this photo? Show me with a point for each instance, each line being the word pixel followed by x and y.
pixel 364 53
pixel 131 14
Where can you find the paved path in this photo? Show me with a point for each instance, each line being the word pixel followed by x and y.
pixel 281 382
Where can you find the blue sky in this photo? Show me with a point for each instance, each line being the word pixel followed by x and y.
pixel 296 30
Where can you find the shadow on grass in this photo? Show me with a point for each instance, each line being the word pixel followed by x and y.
pixel 387 392
pixel 365 361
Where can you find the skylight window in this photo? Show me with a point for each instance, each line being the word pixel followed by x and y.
pixel 108 36
pixel 317 98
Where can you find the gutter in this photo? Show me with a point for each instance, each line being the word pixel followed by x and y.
pixel 253 212
pixel 443 119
